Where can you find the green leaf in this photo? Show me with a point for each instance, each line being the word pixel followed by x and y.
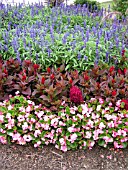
pixel 67 110
pixel 101 142
pixel 9 131
pixel 125 144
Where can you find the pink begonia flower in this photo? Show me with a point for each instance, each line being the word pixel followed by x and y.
pixel 119 132
pixel 64 148
pixel 110 104
pixel 102 156
pixel 22 109
pixel 8 115
pixel 17 92
pixel 80 116
pixel 121 115
pixel 46 142
pixel 73 137
pixel 90 123
pixel 28 109
pixel 46 118
pixel 88 135
pixel 30 127
pixel 118 103
pixel 90 110
pixel 40 114
pixel 21 141
pixel 25 126
pixel 74 119
pixel 84 143
pixel 37 125
pixel 21 118
pixel 62 141
pixel 103 111
pixel 94 116
pixel 114 134
pixel 50 135
pixel 37 132
pixel 107 108
pixel 109 157
pixel 84 108
pixel 16 136
pixel 30 102
pixel 59 130
pixel 93 99
pixel 10 124
pixel 72 110
pixel 10 107
pixel 116 145
pixel 54 122
pixel 56 146
pixel 116 108
pixel 91 144
pixel 107 139
pixel 45 126
pixel 124 139
pixel 32 120
pixel 37 144
pixel 101 101
pixel 101 125
pixel 1 118
pixel 110 124
pixel 27 115
pixel 62 123
pixel 98 108
pixel 3 140
pixel 27 138
pixel 2 130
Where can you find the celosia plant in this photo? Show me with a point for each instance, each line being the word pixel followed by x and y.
pixel 95 122
pixel 76 95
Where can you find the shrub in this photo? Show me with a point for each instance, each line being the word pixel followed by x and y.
pixel 91 4
pixel 121 6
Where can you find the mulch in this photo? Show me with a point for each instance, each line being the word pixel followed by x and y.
pixel 16 157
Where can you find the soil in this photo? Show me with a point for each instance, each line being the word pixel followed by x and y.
pixel 16 157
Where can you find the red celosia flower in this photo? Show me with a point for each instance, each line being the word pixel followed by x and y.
pixel 70 81
pixel 58 69
pixel 23 77
pixel 123 52
pixel 5 71
pixel 76 95
pixel 36 66
pixel 125 70
pixel 48 70
pixel 126 103
pixel 121 81
pixel 120 71
pixel 111 69
pixel 52 76
pixel 98 84
pixel 43 80
pixel 28 62
pixel 86 77
pixel 114 93
pixel 113 81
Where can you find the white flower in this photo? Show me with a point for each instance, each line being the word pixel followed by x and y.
pixel 98 108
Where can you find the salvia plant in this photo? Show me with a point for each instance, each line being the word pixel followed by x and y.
pixel 62 34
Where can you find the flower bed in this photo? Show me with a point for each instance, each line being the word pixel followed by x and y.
pixel 95 122
pixel 77 104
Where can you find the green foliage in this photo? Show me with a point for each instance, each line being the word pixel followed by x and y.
pixel 121 6
pixel 92 4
